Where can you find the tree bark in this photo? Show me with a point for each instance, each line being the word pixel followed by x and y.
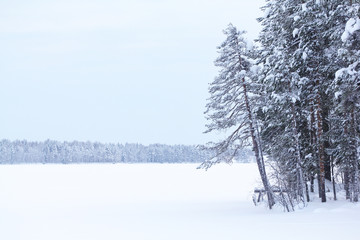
pixel 354 158
pixel 312 184
pixel 307 192
pixel 346 183
pixel 333 177
pixel 313 141
pixel 326 142
pixel 299 173
pixel 320 149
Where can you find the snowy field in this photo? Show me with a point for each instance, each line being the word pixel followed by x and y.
pixel 157 202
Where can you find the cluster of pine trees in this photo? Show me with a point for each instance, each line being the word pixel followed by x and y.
pixel 25 152
pixel 294 97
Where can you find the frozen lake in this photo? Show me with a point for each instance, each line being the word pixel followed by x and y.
pixel 154 201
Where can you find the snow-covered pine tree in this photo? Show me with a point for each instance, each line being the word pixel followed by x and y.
pixel 313 44
pixel 230 105
pixel 299 55
pixel 319 37
pixel 345 89
pixel 282 87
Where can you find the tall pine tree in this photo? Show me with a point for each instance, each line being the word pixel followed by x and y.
pixel 230 105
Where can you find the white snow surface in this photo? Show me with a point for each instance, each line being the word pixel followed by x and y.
pixel 155 201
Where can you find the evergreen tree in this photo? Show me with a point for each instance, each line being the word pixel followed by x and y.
pixel 282 87
pixel 299 48
pixel 345 89
pixel 230 105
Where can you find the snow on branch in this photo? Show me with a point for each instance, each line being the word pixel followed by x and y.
pixel 352 25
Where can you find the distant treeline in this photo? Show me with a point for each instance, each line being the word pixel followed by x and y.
pixel 22 152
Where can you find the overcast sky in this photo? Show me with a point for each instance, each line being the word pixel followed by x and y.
pixel 112 70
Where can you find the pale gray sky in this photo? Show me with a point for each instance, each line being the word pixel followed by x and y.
pixel 112 70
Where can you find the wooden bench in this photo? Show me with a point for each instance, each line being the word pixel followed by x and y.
pixel 261 192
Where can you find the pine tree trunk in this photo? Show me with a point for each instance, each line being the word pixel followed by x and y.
pixel 312 184
pixel 320 149
pixel 299 173
pixel 313 142
pixel 318 180
pixel 256 149
pixel 346 183
pixel 327 161
pixel 347 178
pixel 333 177
pixel 326 142
pixel 355 166
pixel 307 192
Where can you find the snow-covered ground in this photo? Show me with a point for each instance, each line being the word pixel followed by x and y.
pixel 157 202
